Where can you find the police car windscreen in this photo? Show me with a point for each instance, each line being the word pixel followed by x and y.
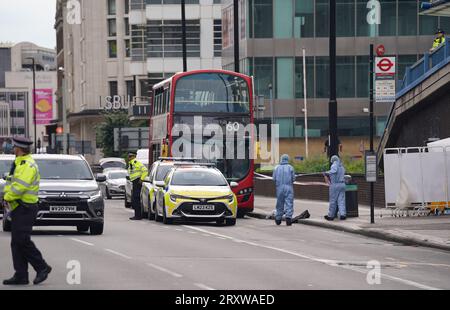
pixel 190 177
pixel 64 169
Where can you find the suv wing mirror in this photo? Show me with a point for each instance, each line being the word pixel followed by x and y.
pixel 160 183
pixel 100 178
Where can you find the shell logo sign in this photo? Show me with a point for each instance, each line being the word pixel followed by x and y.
pixel 44 106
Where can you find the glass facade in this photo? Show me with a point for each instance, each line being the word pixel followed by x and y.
pixel 309 18
pixel 283 20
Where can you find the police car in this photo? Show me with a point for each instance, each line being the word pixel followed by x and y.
pixel 196 192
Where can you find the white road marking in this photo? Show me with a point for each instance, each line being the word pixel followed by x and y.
pixel 204 287
pixel 206 235
pixel 314 259
pixel 177 229
pixel 174 274
pixel 118 254
pixel 81 241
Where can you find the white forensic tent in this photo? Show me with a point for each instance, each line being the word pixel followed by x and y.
pixel 417 177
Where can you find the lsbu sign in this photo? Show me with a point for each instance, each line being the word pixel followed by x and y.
pixel 122 102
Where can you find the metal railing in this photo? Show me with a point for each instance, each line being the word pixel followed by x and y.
pixel 430 63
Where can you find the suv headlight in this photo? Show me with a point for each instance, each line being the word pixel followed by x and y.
pixel 94 195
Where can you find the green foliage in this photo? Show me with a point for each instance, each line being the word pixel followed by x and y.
pixel 317 164
pixel 105 132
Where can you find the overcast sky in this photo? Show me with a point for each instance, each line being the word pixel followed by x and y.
pixel 28 20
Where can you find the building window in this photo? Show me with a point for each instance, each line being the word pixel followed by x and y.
pixel 164 39
pixel 345 17
pixel 362 76
pixel 285 82
pixel 283 17
pixel 345 77
pixel 144 88
pixel 127 26
pixel 263 68
pixel 112 49
pixel 407 18
pixel 127 48
pixel 388 18
pixel 130 89
pixel 112 27
pixel 217 38
pixel 137 42
pixel 363 29
pixel 113 90
pixel 322 18
pixel 322 77
pixel 304 19
pixel 261 12
pixel 111 7
pixel 299 77
pixel 286 127
pixel 444 23
pixel 127 6
pixel 428 24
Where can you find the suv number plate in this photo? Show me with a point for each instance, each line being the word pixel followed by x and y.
pixel 203 207
pixel 63 209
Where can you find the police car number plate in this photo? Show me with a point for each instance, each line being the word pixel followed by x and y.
pixel 203 207
pixel 63 209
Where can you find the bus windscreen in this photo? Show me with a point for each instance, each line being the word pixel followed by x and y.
pixel 212 93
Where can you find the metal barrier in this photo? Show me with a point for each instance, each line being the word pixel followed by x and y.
pixel 417 180
pixel 426 66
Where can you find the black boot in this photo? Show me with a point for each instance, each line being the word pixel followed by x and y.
pixel 135 218
pixel 343 218
pixel 42 275
pixel 289 222
pixel 328 218
pixel 16 281
pixel 278 222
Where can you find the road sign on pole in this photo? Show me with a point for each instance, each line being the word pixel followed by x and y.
pixel 385 84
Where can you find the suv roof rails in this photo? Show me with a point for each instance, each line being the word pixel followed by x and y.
pixel 178 158
pixel 195 164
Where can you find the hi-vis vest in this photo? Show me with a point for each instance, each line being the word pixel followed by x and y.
pixel 438 41
pixel 137 170
pixel 23 183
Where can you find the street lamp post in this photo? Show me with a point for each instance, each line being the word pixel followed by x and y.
pixel 332 106
pixel 34 103
pixel 236 35
pixel 306 105
pixel 183 30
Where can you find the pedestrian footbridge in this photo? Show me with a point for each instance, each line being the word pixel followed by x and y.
pixel 422 107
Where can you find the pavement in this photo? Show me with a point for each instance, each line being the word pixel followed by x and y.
pixel 253 255
pixel 429 231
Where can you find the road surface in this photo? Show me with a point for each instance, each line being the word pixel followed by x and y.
pixel 255 254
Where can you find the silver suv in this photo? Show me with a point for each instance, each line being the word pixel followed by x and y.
pixel 69 194
pixel 5 167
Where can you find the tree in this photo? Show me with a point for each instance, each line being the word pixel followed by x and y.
pixel 105 132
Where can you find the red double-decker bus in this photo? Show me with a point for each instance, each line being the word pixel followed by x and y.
pixel 219 97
